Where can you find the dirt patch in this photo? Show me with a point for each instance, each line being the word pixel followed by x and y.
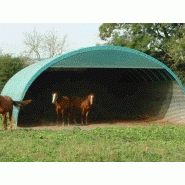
pixel 54 126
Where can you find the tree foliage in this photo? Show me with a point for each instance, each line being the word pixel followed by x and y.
pixel 8 67
pixel 163 41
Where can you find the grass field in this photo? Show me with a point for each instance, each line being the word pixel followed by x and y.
pixel 109 144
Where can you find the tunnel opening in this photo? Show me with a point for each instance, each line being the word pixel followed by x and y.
pixel 120 93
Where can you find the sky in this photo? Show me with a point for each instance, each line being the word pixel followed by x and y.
pixel 79 23
pixel 78 35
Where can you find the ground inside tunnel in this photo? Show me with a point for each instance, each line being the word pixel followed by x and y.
pixel 120 93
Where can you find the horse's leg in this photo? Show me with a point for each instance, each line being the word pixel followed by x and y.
pixel 11 119
pixel 86 116
pixel 58 114
pixel 62 111
pixel 68 115
pixel 74 115
pixel 82 116
pixel 5 121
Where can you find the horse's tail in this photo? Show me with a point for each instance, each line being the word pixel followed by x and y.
pixel 22 103
pixel 16 103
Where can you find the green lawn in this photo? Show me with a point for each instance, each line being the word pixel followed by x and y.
pixel 114 144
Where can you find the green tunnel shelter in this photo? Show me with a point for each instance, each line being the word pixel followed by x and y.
pixel 127 84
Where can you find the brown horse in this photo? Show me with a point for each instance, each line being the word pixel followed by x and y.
pixel 61 105
pixel 6 105
pixel 82 104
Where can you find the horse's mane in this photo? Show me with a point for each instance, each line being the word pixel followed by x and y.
pixel 80 98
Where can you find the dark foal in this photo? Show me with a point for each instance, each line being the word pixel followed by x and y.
pixel 82 104
pixel 61 105
pixel 6 106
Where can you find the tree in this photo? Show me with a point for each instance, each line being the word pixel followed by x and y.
pixel 176 51
pixel 33 42
pixel 53 45
pixel 163 41
pixel 46 45
pixel 8 67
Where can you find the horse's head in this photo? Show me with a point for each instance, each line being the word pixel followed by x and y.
pixel 91 98
pixel 54 97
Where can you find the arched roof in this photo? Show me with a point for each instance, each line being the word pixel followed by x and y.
pixel 95 57
pixel 90 57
